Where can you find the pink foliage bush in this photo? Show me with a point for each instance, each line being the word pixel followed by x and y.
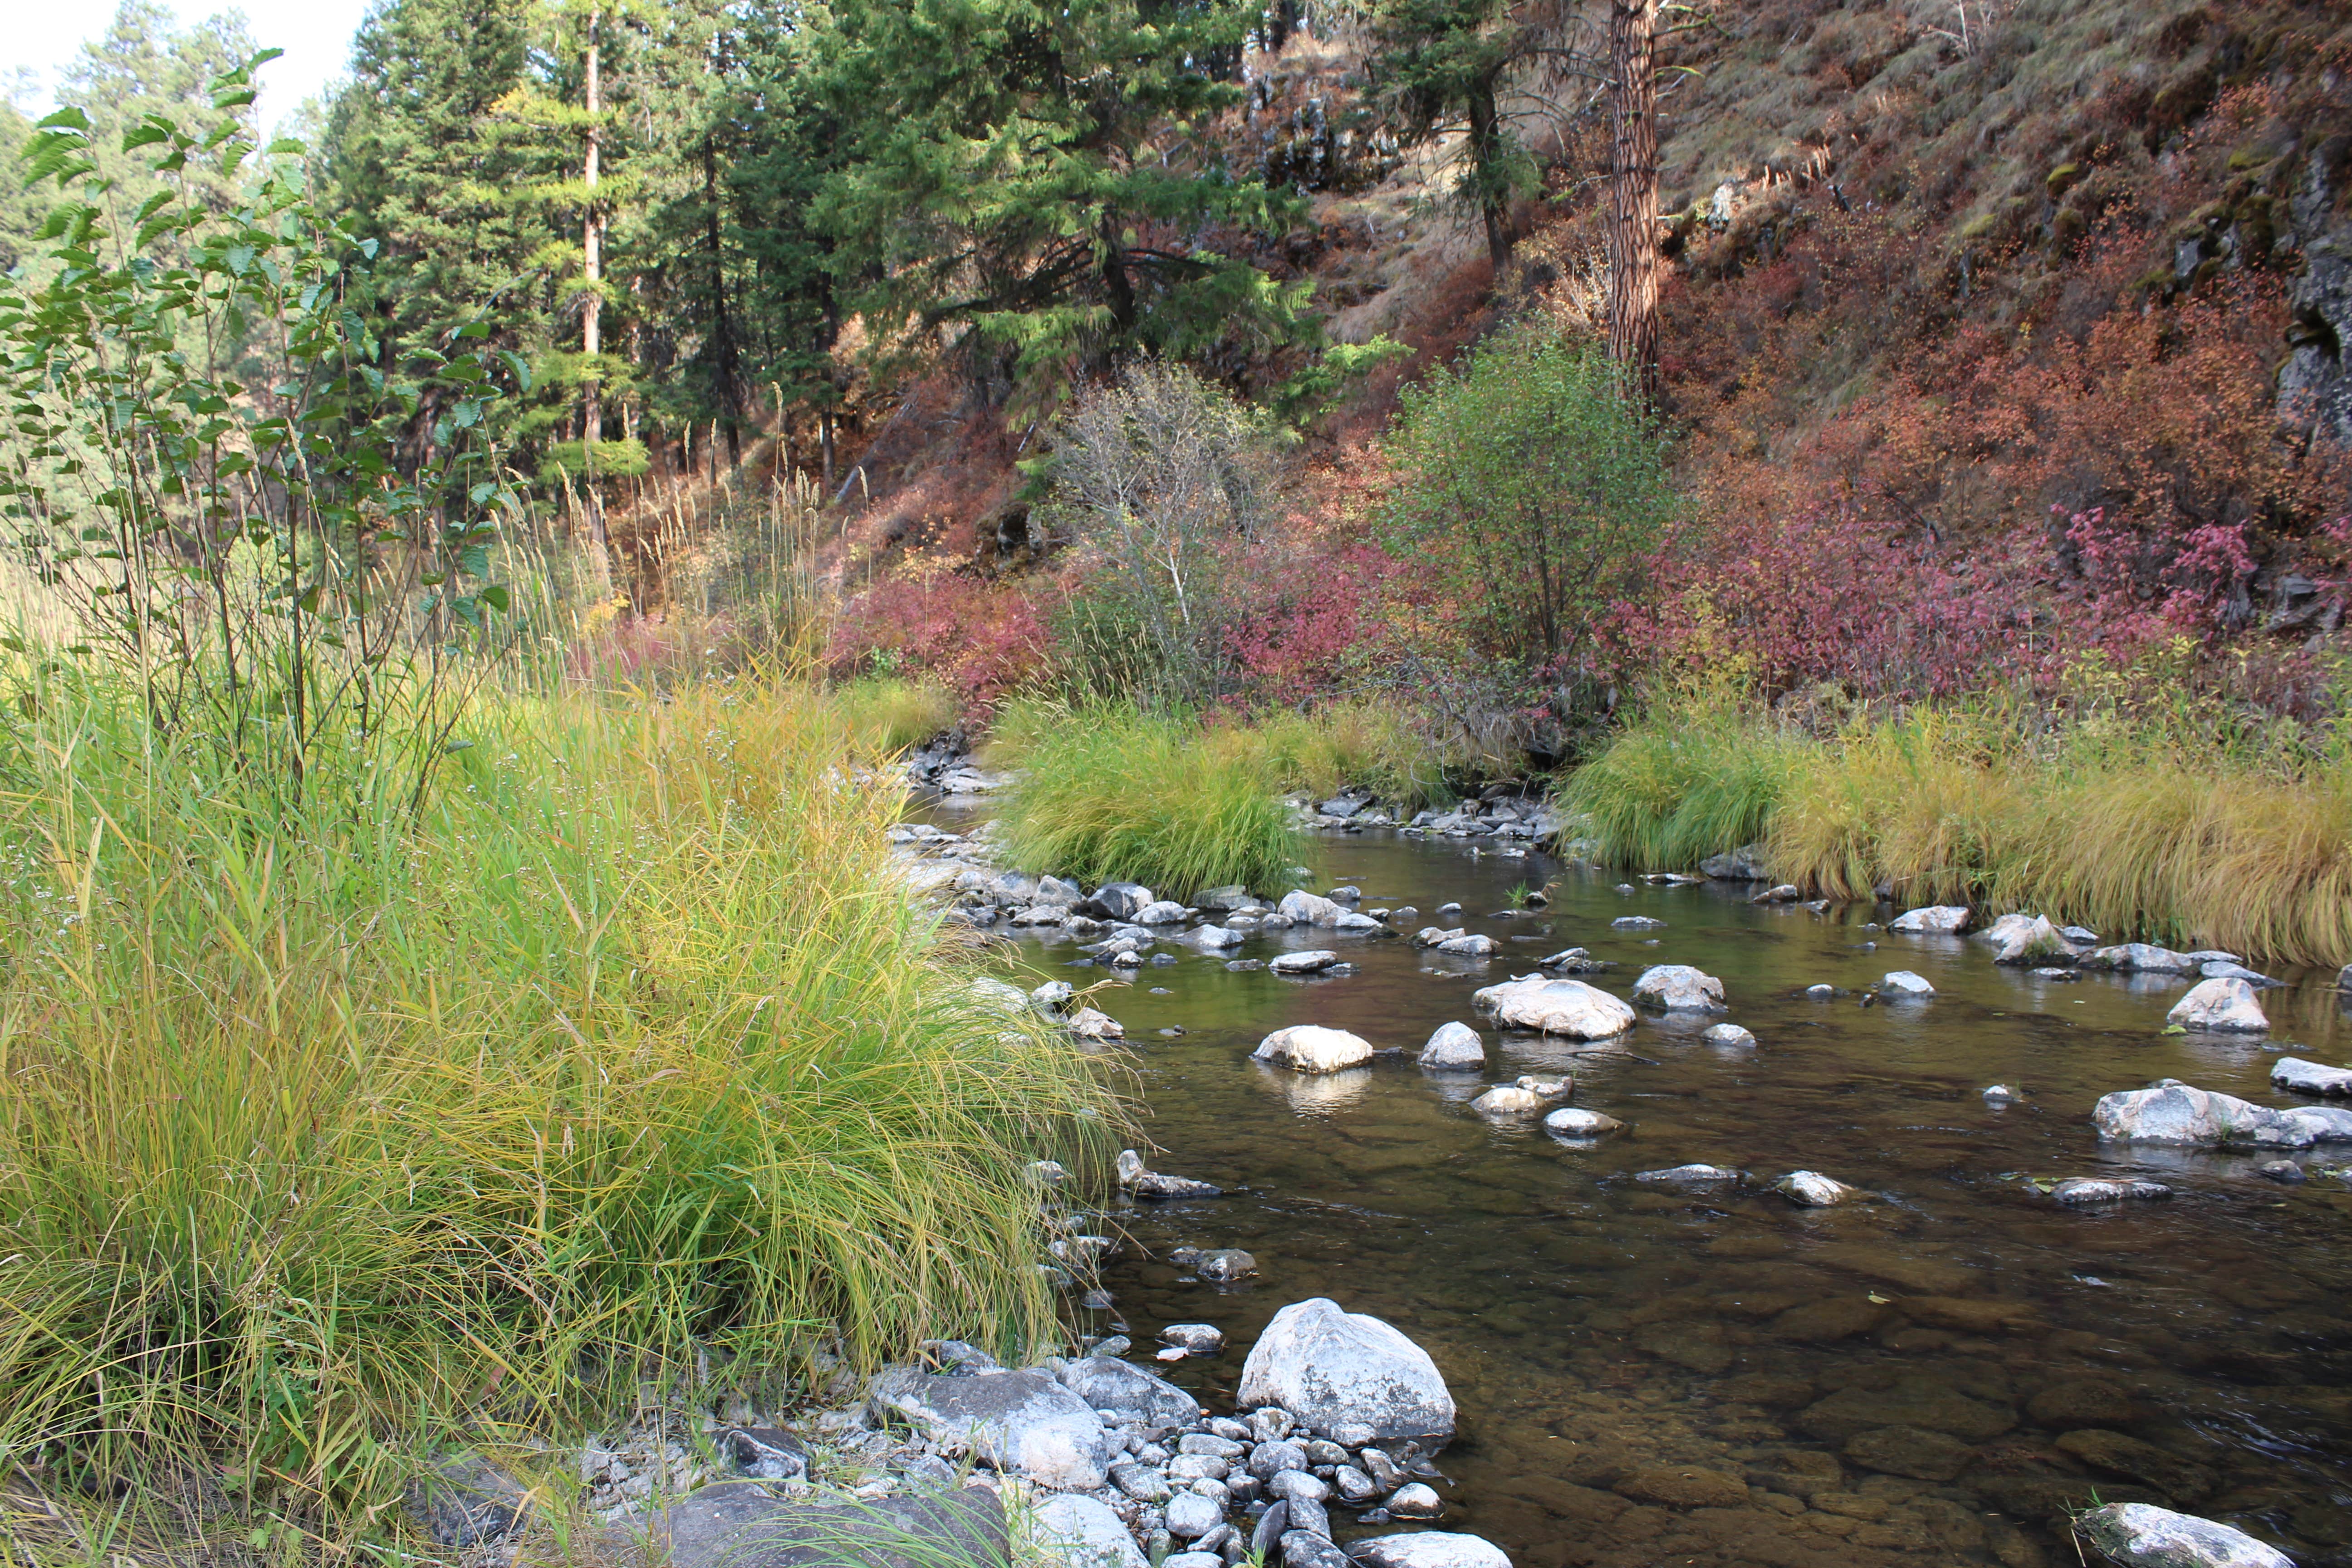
pixel 983 639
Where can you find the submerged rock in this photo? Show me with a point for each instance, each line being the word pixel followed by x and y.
pixel 2309 1077
pixel 1679 988
pixel 2078 1192
pixel 1638 922
pixel 1811 1189
pixel 1327 1367
pixel 1146 1183
pixel 2173 1112
pixel 1691 1176
pixel 1451 1046
pixel 1310 1047
pixel 2220 1005
pixel 1727 1035
pixel 1225 1265
pixel 1568 1007
pixel 1935 919
pixel 1523 1098
pixel 2142 1535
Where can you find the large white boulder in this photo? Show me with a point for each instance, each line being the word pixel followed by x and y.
pixel 1679 988
pixel 1898 982
pixel 2142 1535
pixel 2140 958
pixel 2027 940
pixel 1083 1532
pixel 2171 1111
pixel 1568 1007
pixel 1428 1549
pixel 1106 1382
pixel 1311 1047
pixel 1938 919
pixel 2223 1005
pixel 1329 1368
pixel 1018 1421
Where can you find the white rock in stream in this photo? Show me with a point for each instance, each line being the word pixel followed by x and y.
pixel 1327 1367
pixel 1575 1121
pixel 1306 961
pixel 2222 1004
pixel 2079 1192
pixel 1936 918
pixel 1679 988
pixel 2141 1535
pixel 1899 982
pixel 1727 1035
pixel 1568 1007
pixel 1306 909
pixel 1473 945
pixel 1520 1098
pixel 1811 1189
pixel 2171 1111
pixel 1454 1046
pixel 2309 1077
pixel 1310 1047
pixel 1023 1421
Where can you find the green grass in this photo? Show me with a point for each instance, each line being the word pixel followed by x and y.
pixel 1109 794
pixel 1379 745
pixel 886 714
pixel 2133 832
pixel 323 1135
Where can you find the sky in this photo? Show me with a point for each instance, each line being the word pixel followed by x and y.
pixel 43 36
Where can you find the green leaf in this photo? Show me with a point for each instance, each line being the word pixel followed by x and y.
pixel 66 118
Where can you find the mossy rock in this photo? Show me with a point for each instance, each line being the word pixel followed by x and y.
pixel 2063 178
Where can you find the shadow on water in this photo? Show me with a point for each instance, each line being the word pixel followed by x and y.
pixel 1650 1376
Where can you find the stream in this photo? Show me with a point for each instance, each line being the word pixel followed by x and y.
pixel 1649 1376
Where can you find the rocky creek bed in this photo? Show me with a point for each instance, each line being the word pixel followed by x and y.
pixel 1674 1221
pixel 1946 1361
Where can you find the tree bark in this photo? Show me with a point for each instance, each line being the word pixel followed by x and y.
pixel 1633 191
pixel 591 313
pixel 723 367
pixel 1486 169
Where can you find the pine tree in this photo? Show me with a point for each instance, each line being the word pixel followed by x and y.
pixel 1439 66
pixel 1031 168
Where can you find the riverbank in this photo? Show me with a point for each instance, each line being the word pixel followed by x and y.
pixel 2136 831
pixel 334 1135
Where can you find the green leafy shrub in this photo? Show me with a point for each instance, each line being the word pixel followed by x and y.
pixel 1533 486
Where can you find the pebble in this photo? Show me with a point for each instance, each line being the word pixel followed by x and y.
pixel 1201 1339
pixel 1293 1485
pixel 1270 1424
pixel 1353 1485
pixel 1190 1515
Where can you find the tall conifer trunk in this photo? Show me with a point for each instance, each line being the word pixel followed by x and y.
pixel 1633 191
pixel 591 314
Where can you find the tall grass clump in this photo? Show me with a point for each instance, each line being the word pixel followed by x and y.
pixel 623 1050
pixel 1380 746
pixel 1667 795
pixel 1112 794
pixel 2133 831
pixel 888 713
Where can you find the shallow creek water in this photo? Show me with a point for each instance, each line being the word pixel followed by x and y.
pixel 1604 1338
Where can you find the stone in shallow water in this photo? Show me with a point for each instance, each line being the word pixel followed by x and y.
pixel 2077 1192
pixel 1325 1365
pixel 2118 1454
pixel 1679 988
pixel 1415 1501
pixel 1911 1452
pixel 1567 1007
pixel 2140 1535
pixel 1310 1047
pixel 1308 961
pixel 1912 1402
pixel 1200 1339
pixel 1224 1264
pixel 2177 1113
pixel 1900 983
pixel 2222 1004
pixel 1727 1035
pixel 1453 1046
pixel 1575 1121
pixel 2309 1077
pixel 1811 1189
pixel 1684 1486
pixel 1694 1175
pixel 1936 918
